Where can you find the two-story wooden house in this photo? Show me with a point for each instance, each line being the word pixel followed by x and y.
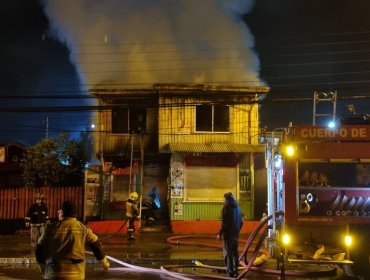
pixel 199 142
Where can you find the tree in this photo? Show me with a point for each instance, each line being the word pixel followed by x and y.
pixel 54 162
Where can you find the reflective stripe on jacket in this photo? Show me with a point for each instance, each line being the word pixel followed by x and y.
pixel 37 214
pixel 63 248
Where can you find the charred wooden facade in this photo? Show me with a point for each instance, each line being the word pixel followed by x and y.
pixel 199 143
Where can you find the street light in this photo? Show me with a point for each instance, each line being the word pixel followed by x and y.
pixel 332 124
pixel 289 150
pixel 286 239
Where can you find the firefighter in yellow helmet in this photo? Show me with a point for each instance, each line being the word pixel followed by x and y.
pixel 37 218
pixel 132 214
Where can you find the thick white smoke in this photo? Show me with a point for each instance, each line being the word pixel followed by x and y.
pixel 136 43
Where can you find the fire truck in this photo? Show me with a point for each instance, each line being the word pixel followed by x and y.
pixel 319 178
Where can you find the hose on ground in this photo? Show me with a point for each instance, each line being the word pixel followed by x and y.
pixel 114 233
pixel 246 267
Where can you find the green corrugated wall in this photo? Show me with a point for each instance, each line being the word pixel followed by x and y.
pixel 205 210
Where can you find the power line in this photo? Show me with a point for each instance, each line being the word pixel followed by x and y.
pixel 362 32
pixel 315 53
pixel 87 108
pixel 130 85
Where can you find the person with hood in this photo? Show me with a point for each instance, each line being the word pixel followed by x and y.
pixel 231 224
pixel 60 252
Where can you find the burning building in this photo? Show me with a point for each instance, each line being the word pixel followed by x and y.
pixel 192 142
pixel 177 85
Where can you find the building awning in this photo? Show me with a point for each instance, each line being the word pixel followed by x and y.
pixel 216 148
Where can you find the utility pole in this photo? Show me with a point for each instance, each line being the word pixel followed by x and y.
pixel 47 128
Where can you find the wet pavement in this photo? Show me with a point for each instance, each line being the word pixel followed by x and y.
pixel 149 250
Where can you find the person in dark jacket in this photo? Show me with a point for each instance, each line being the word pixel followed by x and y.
pixel 37 218
pixel 147 210
pixel 231 224
pixel 60 252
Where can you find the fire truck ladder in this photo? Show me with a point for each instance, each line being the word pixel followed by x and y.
pixel 137 156
pixel 319 97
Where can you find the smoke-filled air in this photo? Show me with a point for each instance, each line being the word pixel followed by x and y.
pixel 138 43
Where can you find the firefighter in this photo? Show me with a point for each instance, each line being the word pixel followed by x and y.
pixel 37 218
pixel 132 214
pixel 60 252
pixel 147 210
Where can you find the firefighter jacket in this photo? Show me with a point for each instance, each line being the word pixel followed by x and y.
pixel 61 250
pixel 37 214
pixel 131 209
pixel 232 220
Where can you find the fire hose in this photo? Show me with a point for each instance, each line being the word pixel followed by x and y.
pixel 114 233
pixel 246 266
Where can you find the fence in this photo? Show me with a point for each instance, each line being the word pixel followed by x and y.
pixel 14 202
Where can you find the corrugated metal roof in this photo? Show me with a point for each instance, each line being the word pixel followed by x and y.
pixel 216 148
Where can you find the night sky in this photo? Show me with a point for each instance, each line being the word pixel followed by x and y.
pixel 33 64
pixel 312 45
pixel 302 46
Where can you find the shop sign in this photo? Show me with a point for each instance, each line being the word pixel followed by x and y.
pixel 202 160
pixel 320 133
pixel 92 186
pixel 177 190
pixel 177 179
pixel 178 209
pixel 109 168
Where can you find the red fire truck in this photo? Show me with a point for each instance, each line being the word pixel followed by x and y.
pixel 320 180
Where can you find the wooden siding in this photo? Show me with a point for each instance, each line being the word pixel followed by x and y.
pixel 14 202
pixel 174 122
pixel 120 144
pixel 177 124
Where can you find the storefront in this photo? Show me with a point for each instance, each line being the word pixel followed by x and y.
pixel 198 182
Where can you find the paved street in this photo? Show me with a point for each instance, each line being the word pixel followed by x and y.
pixel 150 250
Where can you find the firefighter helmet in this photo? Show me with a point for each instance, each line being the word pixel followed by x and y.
pixel 39 196
pixel 134 196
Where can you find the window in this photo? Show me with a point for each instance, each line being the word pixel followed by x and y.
pixel 213 118
pixel 333 189
pixel 126 120
pixel 334 174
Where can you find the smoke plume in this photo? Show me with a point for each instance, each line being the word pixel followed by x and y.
pixel 136 43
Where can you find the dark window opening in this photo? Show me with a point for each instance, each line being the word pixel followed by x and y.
pixel 214 118
pixel 221 118
pixel 126 120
